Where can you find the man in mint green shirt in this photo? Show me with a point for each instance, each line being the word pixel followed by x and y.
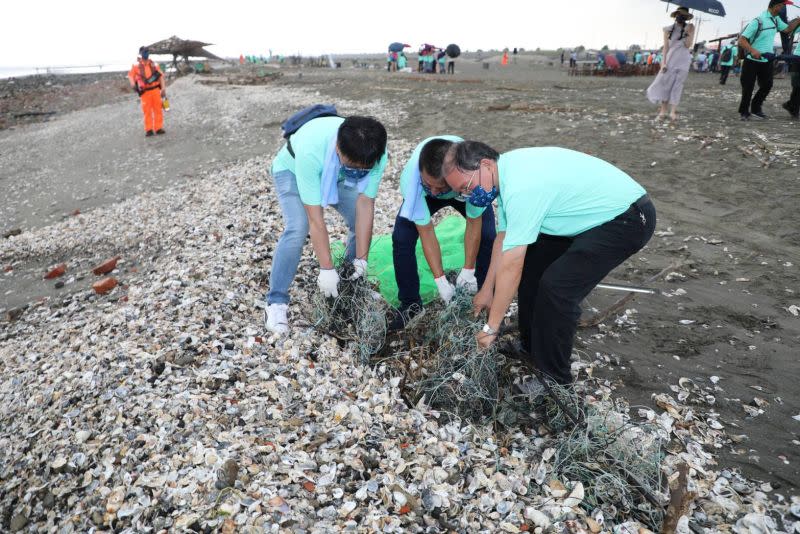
pixel 728 56
pixel 424 193
pixel 793 104
pixel 329 161
pixel 565 220
pixel 757 39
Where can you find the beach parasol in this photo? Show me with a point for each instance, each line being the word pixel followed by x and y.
pixel 712 7
pixel 181 47
pixel 397 47
pixel 612 62
pixel 452 50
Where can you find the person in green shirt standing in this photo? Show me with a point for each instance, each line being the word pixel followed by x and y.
pixel 793 104
pixel 729 54
pixel 329 161
pixel 565 220
pixel 757 39
pixel 424 193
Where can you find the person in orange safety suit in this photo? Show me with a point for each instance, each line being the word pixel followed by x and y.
pixel 148 82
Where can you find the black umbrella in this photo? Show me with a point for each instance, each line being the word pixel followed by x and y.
pixel 452 50
pixel 713 7
pixel 397 47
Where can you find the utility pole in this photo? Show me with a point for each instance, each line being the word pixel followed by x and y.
pixel 700 20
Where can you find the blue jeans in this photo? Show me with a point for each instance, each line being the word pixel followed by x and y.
pixel 290 245
pixel 404 245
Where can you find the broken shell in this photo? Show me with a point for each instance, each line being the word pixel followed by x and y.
pixel 536 517
pixel 575 496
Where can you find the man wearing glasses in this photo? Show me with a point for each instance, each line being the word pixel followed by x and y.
pixel 424 193
pixel 329 161
pixel 566 219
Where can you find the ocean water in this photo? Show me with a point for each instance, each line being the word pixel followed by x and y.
pixel 12 72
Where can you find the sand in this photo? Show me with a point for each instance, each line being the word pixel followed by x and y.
pixel 730 221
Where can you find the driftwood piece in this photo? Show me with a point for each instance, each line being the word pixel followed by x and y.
pixel 602 315
pixel 32 114
pixel 679 500
pixel 527 108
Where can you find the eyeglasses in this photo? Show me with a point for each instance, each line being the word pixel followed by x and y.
pixel 466 191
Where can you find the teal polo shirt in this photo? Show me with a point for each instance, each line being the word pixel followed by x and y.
pixel 559 192
pixel 408 174
pixel 734 55
pixel 764 41
pixel 797 47
pixel 310 146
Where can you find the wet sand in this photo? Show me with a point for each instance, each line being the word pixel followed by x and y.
pixel 729 222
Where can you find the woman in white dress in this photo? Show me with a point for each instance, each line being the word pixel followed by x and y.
pixel 667 88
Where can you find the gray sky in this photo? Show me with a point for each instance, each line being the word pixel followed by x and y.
pixel 55 32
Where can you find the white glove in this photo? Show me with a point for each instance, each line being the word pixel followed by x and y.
pixel 466 278
pixel 446 289
pixel 328 282
pixel 360 265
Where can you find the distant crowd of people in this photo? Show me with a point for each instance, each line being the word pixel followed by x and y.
pixel 430 60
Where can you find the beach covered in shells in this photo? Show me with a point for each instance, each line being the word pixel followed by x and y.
pixel 164 405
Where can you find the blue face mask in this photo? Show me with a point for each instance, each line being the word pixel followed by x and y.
pixel 145 55
pixel 430 193
pixel 351 174
pixel 480 198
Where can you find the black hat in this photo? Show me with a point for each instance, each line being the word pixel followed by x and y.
pixel 682 11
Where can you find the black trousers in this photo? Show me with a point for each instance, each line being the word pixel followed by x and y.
pixel 404 249
pixel 794 100
pixel 752 71
pixel 724 71
pixel 451 67
pixel 560 272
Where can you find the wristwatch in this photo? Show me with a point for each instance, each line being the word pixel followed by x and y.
pixel 489 330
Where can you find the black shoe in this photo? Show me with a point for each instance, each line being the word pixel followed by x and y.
pixel 160 131
pixel 794 114
pixel 149 133
pixel 745 116
pixel 761 115
pixel 402 316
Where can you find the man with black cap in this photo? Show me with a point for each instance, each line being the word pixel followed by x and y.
pixel 758 39
pixel 148 81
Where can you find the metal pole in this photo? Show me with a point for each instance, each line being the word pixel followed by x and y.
pixel 628 289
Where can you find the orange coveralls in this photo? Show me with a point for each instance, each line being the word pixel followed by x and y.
pixel 150 92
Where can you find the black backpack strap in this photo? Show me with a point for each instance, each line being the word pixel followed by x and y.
pixel 289 146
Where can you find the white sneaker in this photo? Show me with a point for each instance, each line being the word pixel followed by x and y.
pixel 276 318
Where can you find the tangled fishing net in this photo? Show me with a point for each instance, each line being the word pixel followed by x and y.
pixel 596 443
pixel 461 379
pixel 617 461
pixel 357 315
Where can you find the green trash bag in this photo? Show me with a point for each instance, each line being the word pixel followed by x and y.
pixel 450 233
